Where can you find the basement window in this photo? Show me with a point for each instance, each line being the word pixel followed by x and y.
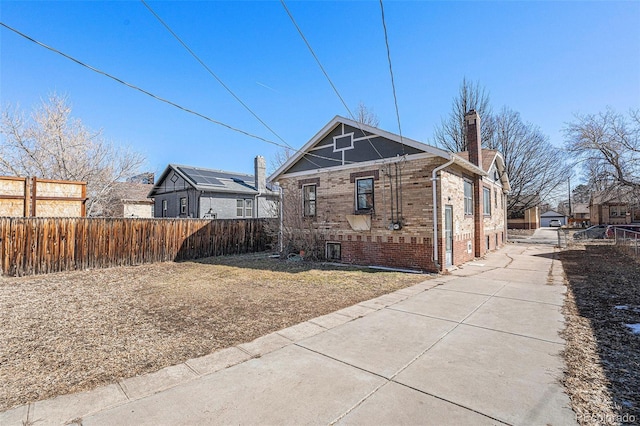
pixel 334 251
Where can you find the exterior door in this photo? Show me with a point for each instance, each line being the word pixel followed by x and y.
pixel 448 234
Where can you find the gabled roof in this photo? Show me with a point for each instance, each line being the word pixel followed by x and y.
pixel 211 180
pixel 365 133
pixel 491 157
pixel 131 192
pixel 488 157
pixel 580 208
pixel 614 196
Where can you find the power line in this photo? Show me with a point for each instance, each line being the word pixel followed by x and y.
pixel 393 85
pixel 214 75
pixel 333 86
pixel 218 79
pixel 156 97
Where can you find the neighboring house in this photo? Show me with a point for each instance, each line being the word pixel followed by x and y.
pixel 547 217
pixel 194 192
pixel 129 199
pixel 525 214
pixel 615 207
pixel 581 216
pixel 370 194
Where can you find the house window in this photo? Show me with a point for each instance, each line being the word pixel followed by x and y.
pixel 164 208
pixel 248 207
pixel 486 201
pixel 240 208
pixel 495 195
pixel 468 197
pixel 309 200
pixel 364 194
pixel 333 251
pixel 183 205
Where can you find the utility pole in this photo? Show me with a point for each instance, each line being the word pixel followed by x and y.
pixel 569 178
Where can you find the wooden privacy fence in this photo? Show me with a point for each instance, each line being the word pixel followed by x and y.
pixel 42 245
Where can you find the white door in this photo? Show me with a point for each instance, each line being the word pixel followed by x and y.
pixel 448 234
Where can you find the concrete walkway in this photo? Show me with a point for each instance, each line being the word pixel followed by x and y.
pixel 480 346
pixel 540 236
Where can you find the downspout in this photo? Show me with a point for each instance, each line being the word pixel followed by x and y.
pixel 505 217
pixel 256 201
pixel 280 231
pixel 434 181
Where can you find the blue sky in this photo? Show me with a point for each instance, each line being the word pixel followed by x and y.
pixel 547 60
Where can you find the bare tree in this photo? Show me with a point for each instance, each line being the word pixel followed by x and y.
pixel 581 194
pixel 51 144
pixel 279 158
pixel 366 116
pixel 609 145
pixel 451 133
pixel 535 168
pixel 303 228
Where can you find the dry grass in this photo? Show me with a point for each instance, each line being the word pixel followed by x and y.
pixel 602 355
pixel 69 332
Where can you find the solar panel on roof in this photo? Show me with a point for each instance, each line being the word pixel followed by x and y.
pixel 212 177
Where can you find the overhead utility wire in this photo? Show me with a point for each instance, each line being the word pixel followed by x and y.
pixel 327 75
pixel 393 85
pixel 214 75
pixel 235 129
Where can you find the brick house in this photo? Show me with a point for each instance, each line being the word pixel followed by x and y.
pixel 614 207
pixel 370 194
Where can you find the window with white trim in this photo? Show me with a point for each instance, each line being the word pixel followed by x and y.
pixel 486 201
pixel 334 251
pixel 164 208
pixel 248 207
pixel 309 200
pixel 468 197
pixel 183 205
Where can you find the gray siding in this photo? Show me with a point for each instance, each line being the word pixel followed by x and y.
pixel 224 206
pixel 221 205
pixel 352 151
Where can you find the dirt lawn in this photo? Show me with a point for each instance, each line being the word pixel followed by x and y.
pixel 602 353
pixel 73 331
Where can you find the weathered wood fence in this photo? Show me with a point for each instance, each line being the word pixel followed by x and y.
pixel 42 245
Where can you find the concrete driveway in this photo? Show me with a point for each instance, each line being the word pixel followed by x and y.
pixel 540 236
pixel 479 346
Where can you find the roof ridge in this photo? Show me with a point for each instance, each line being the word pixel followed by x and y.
pixel 210 170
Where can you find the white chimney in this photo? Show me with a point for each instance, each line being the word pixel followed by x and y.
pixel 260 166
